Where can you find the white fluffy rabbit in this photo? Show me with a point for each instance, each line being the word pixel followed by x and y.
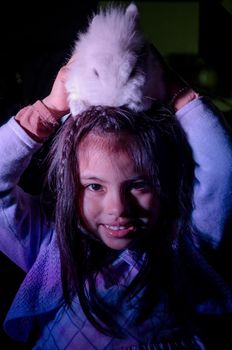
pixel 113 64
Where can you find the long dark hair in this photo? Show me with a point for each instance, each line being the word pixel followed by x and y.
pixel 159 147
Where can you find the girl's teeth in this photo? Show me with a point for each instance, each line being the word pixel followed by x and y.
pixel 115 228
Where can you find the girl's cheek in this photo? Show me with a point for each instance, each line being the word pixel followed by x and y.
pixel 90 205
pixel 84 205
pixel 149 201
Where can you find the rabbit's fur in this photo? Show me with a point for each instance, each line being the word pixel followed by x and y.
pixel 113 63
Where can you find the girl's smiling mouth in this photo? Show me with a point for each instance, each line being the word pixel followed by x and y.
pixel 118 231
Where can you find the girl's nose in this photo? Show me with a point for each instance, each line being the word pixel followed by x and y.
pixel 116 204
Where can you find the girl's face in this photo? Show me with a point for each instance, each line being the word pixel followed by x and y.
pixel 117 203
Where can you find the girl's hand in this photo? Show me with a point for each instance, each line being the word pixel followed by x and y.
pixel 57 100
pixel 41 119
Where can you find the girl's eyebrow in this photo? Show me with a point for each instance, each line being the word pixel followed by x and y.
pixel 95 178
pixel 87 177
pixel 90 177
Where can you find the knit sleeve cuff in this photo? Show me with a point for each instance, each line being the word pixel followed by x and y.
pixel 37 121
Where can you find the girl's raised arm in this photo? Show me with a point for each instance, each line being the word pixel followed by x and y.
pixel 211 142
pixel 23 226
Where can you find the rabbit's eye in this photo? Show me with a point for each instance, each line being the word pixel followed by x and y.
pixel 96 72
pixel 133 72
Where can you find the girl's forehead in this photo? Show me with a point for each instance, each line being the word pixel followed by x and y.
pixel 102 153
pixel 117 148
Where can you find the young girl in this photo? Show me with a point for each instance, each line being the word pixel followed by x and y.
pixel 120 265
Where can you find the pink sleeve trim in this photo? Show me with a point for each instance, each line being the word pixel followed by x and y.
pixel 37 121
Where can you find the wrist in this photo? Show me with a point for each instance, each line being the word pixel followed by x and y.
pixel 179 93
pixel 182 96
pixel 56 113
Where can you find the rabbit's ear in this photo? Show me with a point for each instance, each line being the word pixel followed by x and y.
pixel 94 19
pixel 132 11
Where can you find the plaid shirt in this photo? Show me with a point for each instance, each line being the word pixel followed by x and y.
pixel 70 329
pixel 39 304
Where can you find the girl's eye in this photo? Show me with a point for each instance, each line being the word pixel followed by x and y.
pixel 94 187
pixel 139 186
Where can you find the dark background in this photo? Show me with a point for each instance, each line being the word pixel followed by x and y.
pixel 36 38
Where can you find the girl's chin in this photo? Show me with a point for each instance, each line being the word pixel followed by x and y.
pixel 119 244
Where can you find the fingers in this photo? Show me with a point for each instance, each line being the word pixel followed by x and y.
pixel 72 59
pixel 62 74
